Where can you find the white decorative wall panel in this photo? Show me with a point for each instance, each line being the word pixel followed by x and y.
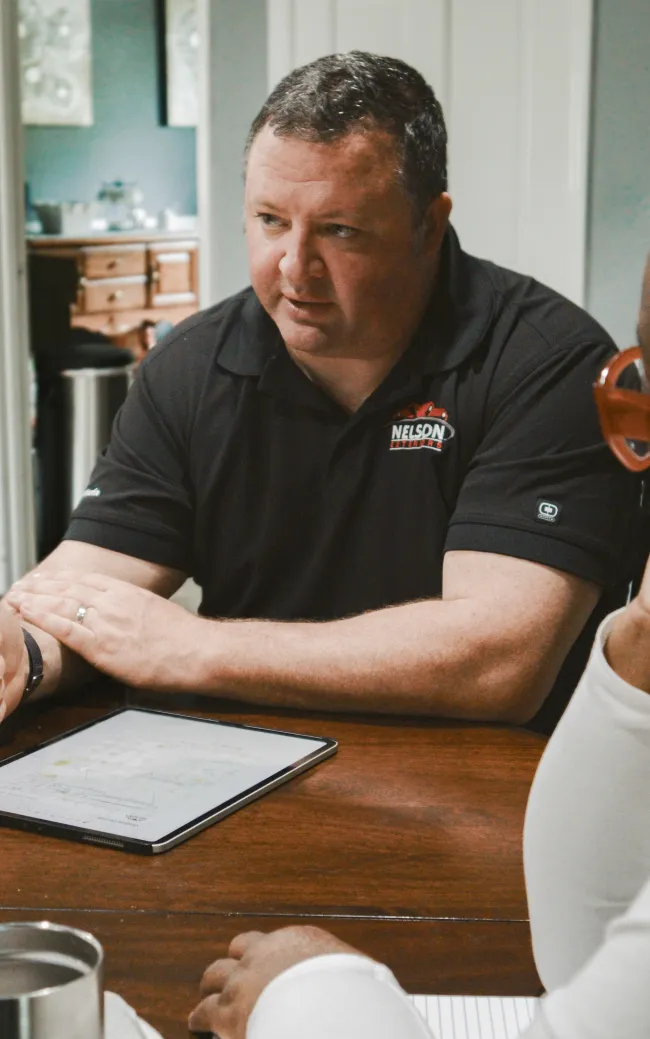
pixel 314 29
pixel 302 30
pixel 483 120
pixel 412 30
pixel 556 97
pixel 514 79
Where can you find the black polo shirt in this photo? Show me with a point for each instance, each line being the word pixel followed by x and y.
pixel 227 463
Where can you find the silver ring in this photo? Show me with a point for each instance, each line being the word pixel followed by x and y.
pixel 81 613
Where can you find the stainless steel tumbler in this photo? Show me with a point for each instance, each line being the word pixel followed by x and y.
pixel 51 983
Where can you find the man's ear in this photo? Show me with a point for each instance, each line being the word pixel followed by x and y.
pixel 435 223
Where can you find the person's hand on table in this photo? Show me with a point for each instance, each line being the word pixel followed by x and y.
pixel 14 660
pixel 231 987
pixel 127 632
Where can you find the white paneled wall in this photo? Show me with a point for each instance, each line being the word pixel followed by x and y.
pixel 485 139
pixel 414 30
pixel 619 197
pixel 514 79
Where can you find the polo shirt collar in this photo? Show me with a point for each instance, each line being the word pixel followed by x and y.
pixel 461 311
pixel 460 314
pixel 455 324
pixel 256 348
pixel 254 339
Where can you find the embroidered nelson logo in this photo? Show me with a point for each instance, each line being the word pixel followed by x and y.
pixel 420 425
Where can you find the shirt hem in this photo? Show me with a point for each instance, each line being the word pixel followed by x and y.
pixel 535 546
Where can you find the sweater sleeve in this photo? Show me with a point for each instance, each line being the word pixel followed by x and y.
pixel 587 860
pixel 610 995
pixel 346 997
pixel 336 995
pixel 587 830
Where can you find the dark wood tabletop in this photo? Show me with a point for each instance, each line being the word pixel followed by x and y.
pixel 407 844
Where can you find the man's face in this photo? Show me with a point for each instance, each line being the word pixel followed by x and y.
pixel 334 256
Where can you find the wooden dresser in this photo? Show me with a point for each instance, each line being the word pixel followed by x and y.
pixel 109 283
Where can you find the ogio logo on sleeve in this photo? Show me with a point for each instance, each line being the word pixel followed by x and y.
pixel 418 426
pixel 548 511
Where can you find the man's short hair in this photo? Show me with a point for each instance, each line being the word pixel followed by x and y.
pixel 356 92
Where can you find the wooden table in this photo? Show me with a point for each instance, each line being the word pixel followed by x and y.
pixel 407 844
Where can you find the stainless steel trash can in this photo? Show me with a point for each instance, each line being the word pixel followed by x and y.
pixel 76 407
pixel 91 399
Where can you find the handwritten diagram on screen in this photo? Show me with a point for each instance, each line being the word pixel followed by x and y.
pixel 143 775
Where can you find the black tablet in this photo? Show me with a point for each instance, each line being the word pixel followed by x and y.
pixel 143 781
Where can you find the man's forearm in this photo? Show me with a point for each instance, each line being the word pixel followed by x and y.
pixel 426 658
pixel 490 650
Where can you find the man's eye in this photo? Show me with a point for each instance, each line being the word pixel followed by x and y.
pixel 341 231
pixel 269 220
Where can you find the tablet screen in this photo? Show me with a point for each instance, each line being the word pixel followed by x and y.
pixel 145 774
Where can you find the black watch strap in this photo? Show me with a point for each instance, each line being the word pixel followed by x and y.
pixel 35 676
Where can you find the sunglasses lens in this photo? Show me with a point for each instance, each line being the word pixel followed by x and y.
pixel 639 448
pixel 632 377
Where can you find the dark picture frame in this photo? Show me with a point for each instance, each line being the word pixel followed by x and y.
pixel 177 55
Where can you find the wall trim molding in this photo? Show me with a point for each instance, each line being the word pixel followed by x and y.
pixel 17 526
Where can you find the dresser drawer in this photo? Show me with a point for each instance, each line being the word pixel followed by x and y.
pixel 173 271
pixel 112 261
pixel 112 294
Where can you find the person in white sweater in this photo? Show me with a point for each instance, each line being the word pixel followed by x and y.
pixel 587 865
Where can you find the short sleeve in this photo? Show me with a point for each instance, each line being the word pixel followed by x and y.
pixel 542 484
pixel 139 497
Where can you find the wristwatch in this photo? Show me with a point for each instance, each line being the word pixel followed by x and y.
pixel 35 675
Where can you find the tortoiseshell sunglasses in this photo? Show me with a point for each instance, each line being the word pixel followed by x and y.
pixel 624 413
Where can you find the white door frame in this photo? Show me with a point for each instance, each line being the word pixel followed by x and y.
pixel 232 88
pixel 17 527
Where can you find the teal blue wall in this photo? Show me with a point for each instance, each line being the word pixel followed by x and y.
pixel 127 141
pixel 619 204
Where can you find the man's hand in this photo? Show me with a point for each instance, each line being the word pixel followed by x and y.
pixel 14 661
pixel 128 632
pixel 230 988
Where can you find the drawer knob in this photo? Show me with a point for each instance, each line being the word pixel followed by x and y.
pixel 114 296
pixel 112 264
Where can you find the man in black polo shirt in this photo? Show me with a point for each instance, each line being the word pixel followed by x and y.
pixel 383 461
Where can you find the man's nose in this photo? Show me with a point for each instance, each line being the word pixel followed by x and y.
pixel 301 261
